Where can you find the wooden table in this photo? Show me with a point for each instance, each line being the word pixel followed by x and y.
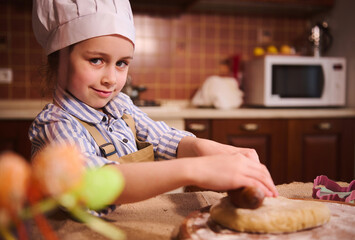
pixel 156 218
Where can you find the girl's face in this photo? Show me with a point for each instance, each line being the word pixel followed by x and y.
pixel 97 69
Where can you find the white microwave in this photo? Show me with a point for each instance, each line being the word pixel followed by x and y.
pixel 295 81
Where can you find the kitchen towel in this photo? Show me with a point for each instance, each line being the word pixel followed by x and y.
pixel 219 92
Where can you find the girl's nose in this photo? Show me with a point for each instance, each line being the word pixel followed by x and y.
pixel 109 77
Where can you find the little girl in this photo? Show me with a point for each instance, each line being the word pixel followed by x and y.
pixel 90 46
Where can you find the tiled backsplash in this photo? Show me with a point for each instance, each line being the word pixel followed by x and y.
pixel 173 57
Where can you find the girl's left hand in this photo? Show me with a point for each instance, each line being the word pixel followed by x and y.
pixel 204 147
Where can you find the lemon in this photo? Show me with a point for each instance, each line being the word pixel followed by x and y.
pixel 285 49
pixel 272 49
pixel 259 51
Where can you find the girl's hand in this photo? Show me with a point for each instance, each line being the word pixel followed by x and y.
pixel 192 147
pixel 202 163
pixel 206 147
pixel 230 171
pixel 224 167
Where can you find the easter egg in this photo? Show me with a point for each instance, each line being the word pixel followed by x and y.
pixel 58 168
pixel 101 187
pixel 15 174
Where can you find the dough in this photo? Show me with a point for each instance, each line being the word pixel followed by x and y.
pixel 276 215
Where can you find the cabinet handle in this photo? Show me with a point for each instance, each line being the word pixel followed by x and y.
pixel 250 127
pixel 198 127
pixel 324 126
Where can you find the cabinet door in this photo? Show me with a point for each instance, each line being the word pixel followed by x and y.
pixel 14 136
pixel 321 147
pixel 267 137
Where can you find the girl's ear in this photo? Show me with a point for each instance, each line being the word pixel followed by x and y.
pixel 63 67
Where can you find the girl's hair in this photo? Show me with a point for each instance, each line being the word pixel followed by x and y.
pixel 49 73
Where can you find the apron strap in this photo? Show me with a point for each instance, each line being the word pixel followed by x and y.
pixel 145 149
pixel 130 122
pixel 106 148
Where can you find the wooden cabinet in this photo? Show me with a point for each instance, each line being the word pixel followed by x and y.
pixel 14 136
pixel 292 149
pixel 288 8
pixel 199 127
pixel 265 136
pixel 321 147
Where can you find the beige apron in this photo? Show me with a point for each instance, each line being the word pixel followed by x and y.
pixel 145 151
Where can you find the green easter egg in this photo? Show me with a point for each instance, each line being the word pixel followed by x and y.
pixel 101 187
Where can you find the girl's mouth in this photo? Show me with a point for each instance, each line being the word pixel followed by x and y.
pixel 103 93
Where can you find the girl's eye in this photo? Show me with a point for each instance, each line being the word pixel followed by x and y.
pixel 122 64
pixel 96 61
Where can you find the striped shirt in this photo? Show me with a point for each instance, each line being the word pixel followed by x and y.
pixel 56 124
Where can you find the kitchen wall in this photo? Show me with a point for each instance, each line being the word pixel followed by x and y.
pixel 341 20
pixel 173 55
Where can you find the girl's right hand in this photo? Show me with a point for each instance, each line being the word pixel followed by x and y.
pixel 230 171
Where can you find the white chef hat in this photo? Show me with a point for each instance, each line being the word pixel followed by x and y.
pixel 60 23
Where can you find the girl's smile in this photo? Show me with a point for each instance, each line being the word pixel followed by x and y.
pixel 104 94
pixel 96 71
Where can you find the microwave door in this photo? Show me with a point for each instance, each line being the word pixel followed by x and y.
pixel 298 81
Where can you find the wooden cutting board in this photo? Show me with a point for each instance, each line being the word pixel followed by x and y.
pixel 198 225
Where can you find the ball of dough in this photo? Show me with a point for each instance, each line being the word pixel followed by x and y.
pixel 276 215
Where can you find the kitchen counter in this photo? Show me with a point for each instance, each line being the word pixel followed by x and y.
pixel 240 113
pixel 175 110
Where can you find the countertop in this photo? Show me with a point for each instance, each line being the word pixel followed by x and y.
pixel 175 110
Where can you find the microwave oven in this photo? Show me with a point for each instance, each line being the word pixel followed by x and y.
pixel 295 81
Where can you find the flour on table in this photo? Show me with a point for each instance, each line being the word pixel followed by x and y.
pixel 340 226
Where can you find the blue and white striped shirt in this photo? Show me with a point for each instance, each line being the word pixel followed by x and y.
pixel 56 124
